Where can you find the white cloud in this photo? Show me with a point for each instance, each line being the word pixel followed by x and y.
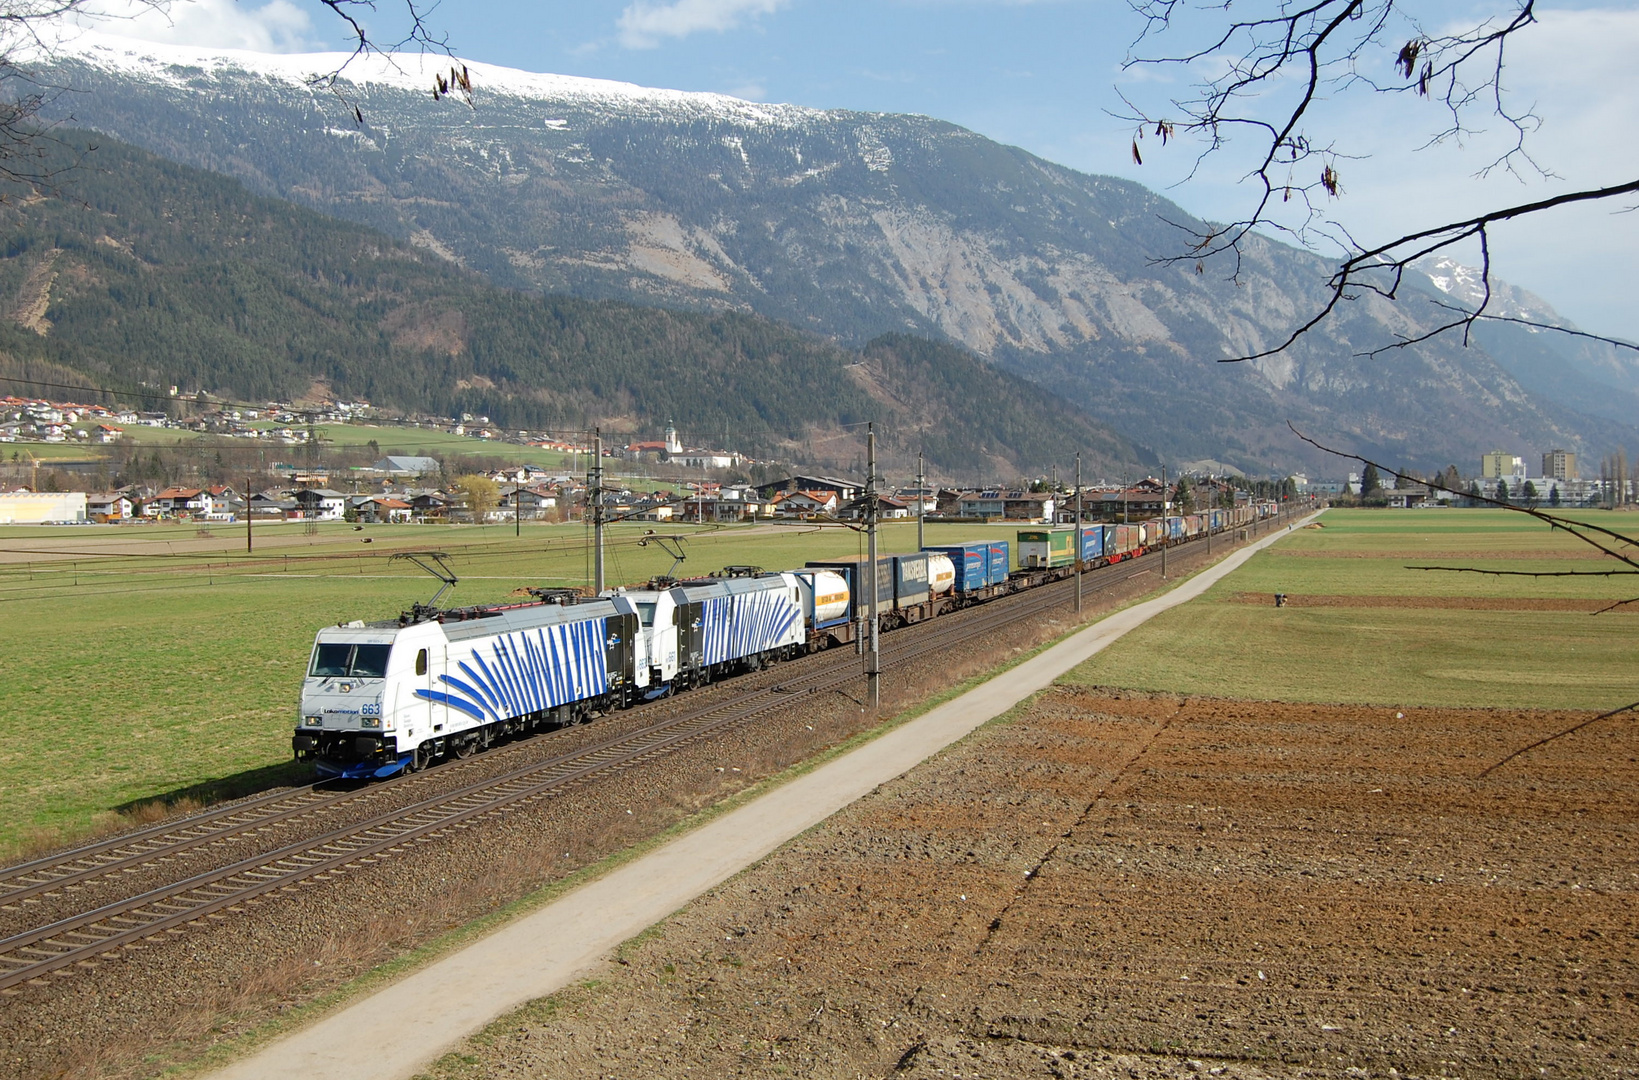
pixel 277 26
pixel 644 23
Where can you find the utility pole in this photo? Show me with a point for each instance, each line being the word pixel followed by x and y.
pixel 594 493
pixel 517 508
pixel 1211 508
pixel 1080 549
pixel 921 501
pixel 247 516
pixel 1163 521
pixel 873 658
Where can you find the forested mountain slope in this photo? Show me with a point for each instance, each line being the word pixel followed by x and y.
pixel 148 272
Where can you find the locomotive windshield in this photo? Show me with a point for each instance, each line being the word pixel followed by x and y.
pixel 645 612
pixel 332 659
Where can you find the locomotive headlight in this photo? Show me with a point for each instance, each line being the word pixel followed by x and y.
pixel 314 721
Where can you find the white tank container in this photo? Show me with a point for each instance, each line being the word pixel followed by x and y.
pixel 830 596
pixel 941 574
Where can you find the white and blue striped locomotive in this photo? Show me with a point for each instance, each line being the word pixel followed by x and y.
pixel 380 698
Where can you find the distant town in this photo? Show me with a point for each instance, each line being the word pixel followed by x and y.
pixel 395 488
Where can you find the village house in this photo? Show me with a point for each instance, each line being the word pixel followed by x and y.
pixel 805 504
pixel 980 504
pixel 429 505
pixel 273 505
pixel 177 501
pixel 888 507
pixel 1140 502
pixel 842 489
pixel 1032 506
pixel 718 507
pixel 321 504
pixel 108 506
pixel 375 509
pixel 526 502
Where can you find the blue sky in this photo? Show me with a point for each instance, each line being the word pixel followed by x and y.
pixel 1044 75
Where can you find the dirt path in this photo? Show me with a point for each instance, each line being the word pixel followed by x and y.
pixel 401 1029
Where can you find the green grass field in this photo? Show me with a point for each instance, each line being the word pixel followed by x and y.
pixel 391 439
pixel 1397 654
pixel 148 660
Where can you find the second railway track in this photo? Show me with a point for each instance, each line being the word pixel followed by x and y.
pixel 74 940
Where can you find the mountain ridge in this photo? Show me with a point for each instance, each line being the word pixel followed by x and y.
pixel 850 225
pixel 159 274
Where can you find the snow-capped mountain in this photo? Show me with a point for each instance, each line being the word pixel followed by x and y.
pixel 1591 376
pixel 848 224
pixel 182 65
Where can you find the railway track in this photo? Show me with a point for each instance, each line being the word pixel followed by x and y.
pixel 82 939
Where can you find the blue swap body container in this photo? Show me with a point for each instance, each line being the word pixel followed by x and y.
pixel 971 563
pixel 910 579
pixel 1001 562
pixel 1092 542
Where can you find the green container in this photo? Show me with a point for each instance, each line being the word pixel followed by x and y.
pixel 1042 548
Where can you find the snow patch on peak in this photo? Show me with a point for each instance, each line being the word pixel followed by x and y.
pixel 1452 277
pixel 179 65
pixel 1466 285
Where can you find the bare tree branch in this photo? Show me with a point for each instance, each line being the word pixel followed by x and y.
pixel 418 36
pixel 1526 573
pixel 1294 54
pixel 1573 729
pixel 1595 536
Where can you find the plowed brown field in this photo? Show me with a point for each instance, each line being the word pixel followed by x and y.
pixel 1127 885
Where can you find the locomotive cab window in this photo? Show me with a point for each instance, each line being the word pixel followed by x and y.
pixel 645 612
pixel 335 659
pixel 370 661
pixel 331 660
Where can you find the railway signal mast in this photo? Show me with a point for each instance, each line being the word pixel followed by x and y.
pixel 1080 546
pixel 594 497
pixel 1163 521
pixel 873 657
pixel 921 501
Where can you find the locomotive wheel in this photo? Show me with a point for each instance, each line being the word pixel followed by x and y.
pixel 465 748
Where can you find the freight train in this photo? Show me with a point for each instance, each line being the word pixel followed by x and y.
pixel 387 697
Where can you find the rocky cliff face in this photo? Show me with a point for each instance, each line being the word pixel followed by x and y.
pixel 849 225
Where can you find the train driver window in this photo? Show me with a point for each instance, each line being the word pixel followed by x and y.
pixel 331 659
pixel 370 661
pixel 421 662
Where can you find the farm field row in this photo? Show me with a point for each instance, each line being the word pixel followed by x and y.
pixel 159 662
pixel 1363 627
